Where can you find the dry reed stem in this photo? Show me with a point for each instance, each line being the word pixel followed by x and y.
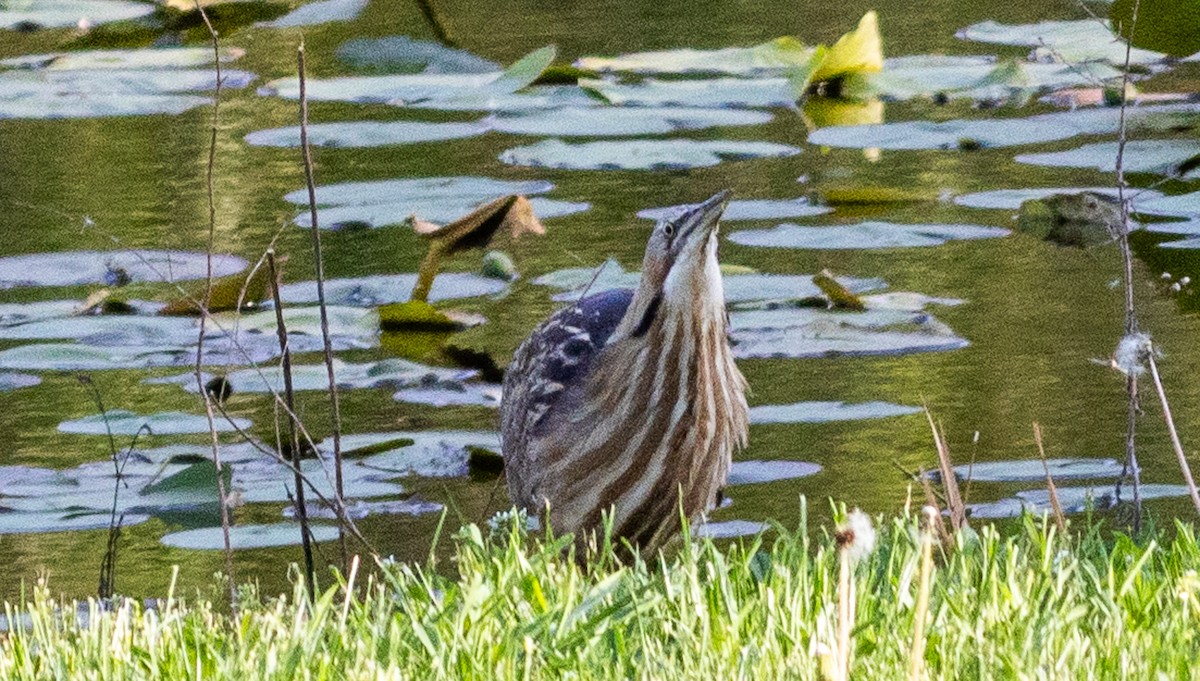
pixel 222 493
pixel 954 502
pixel 1059 518
pixel 293 436
pixel 1175 443
pixel 310 184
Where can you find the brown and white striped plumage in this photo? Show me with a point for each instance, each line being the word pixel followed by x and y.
pixel 630 400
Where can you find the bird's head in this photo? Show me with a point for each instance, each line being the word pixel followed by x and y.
pixel 680 270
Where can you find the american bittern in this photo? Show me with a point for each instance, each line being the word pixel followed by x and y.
pixel 629 400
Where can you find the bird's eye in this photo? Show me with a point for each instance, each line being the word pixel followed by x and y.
pixel 669 230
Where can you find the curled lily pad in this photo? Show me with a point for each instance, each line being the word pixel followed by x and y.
pixel 422 453
pixel 1011 199
pixel 392 373
pixel 73 268
pixel 640 154
pixel 1064 41
pixel 122 422
pixel 753 209
pixel 865 235
pixel 12 381
pixel 822 412
pixel 729 529
pixel 320 12
pixel 402 54
pixel 619 121
pixel 753 472
pixel 808 332
pixel 1027 470
pixel 771 57
pixel 1141 156
pixel 247 536
pixel 756 93
pixel 59 13
pixel 366 134
pixel 1001 132
pixel 381 289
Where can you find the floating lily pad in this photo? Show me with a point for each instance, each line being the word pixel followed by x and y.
pixel 753 472
pixel 366 134
pixel 360 509
pixel 247 536
pixel 823 412
pixel 1011 199
pixel 729 529
pixel 391 373
pixel 452 393
pixel 640 154
pixel 771 57
pixel 1141 156
pixel 74 268
pixel 122 422
pixel 12 314
pixel 90 61
pixel 1072 500
pixel 535 98
pixel 1003 132
pixel 752 209
pixel 1180 205
pixel 11 381
pixel 384 214
pixel 109 330
pixel 424 453
pixel 971 77
pixel 1026 470
pixel 78 357
pixel 617 121
pixel 19 522
pixel 60 13
pixel 320 12
pixel 739 288
pixel 756 93
pixel 1063 41
pixel 19 481
pixel 865 235
pixel 402 54
pixel 1184 244
pixel 377 290
pixel 808 332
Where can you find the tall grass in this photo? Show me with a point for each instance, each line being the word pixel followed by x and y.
pixel 1033 605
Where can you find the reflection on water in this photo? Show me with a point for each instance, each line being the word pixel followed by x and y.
pixel 1034 317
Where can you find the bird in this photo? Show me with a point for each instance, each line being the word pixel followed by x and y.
pixel 628 402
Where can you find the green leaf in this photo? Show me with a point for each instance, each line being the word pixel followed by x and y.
pixel 200 476
pixel 526 70
pixel 1170 26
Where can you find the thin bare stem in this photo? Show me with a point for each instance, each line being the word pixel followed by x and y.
pixel 1178 446
pixel 1059 518
pixel 954 502
pixel 328 344
pixel 222 493
pixel 293 436
pixel 436 23
pixel 916 655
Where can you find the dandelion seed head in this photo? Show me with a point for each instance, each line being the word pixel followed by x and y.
pixel 856 536
pixel 1131 354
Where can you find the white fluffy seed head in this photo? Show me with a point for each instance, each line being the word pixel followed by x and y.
pixel 856 536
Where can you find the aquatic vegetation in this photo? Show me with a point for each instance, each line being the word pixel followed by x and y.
pixel 640 154
pixel 862 235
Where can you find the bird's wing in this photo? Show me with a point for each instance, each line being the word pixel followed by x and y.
pixel 547 372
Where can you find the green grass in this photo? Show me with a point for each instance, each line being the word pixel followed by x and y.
pixel 1033 605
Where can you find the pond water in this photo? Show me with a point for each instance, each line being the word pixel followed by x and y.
pixel 1004 332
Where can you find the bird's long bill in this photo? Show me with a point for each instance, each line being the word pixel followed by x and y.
pixel 701 219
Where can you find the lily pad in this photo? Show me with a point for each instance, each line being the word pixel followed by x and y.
pixel 321 12
pixel 1141 156
pixel 391 373
pixel 971 77
pixel 1011 199
pixel 773 57
pixel 360 509
pixel 366 134
pixel 78 357
pixel 1072 500
pixel 1184 244
pixel 247 536
pixel 61 13
pixel 432 454
pixel 122 422
pixel 752 209
pixel 373 291
pixel 640 154
pixel 1179 205
pixel 756 93
pixel 90 61
pixel 452 393
pixel 11 381
pixel 1063 41
pixel 109 330
pixel 402 54
pixel 864 235
pixel 729 529
pixel 824 412
pixel 808 332
pixel 12 314
pixel 754 472
pixel 534 98
pixel 1033 470
pixel 20 522
pixel 75 268
pixel 617 121
pixel 1002 132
